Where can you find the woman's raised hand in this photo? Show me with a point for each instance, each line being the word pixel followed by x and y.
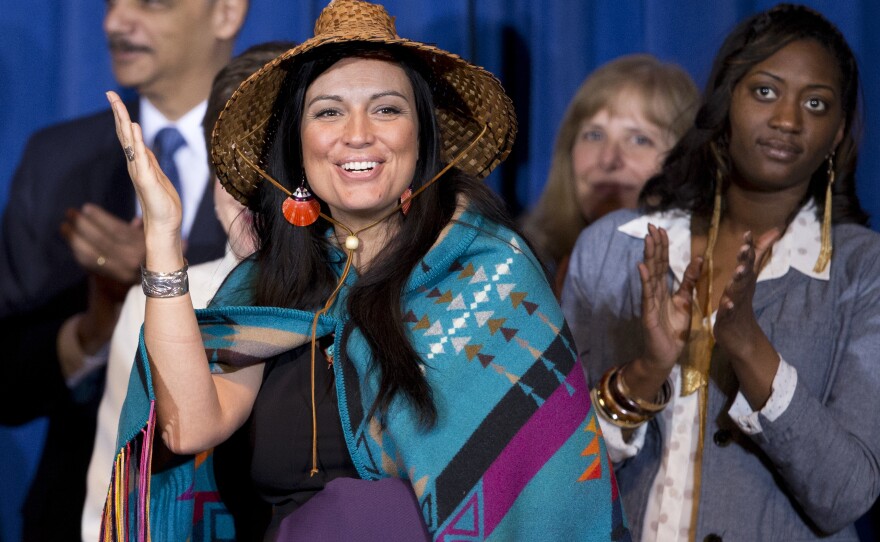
pixel 666 318
pixel 160 203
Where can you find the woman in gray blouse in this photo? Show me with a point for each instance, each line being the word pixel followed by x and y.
pixel 731 332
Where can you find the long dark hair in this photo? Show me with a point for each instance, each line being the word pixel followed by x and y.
pixel 294 262
pixel 687 180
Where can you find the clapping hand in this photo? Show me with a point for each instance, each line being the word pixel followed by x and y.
pixel 666 317
pixel 736 328
pixel 104 244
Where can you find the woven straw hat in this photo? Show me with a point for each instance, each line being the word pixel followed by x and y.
pixel 467 98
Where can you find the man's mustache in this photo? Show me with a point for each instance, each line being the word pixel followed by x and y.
pixel 122 45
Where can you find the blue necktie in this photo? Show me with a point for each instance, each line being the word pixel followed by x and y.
pixel 167 142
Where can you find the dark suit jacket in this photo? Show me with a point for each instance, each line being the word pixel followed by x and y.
pixel 41 285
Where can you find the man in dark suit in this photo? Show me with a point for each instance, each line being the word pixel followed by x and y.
pixel 71 240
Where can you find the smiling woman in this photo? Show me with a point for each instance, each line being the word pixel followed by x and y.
pixel 360 349
pixel 360 143
pixel 731 350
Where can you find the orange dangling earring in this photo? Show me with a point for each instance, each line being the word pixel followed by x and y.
pixel 405 200
pixel 301 208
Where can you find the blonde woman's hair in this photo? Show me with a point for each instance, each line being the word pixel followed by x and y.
pixel 669 99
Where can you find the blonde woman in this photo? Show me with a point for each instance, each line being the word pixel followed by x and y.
pixel 624 118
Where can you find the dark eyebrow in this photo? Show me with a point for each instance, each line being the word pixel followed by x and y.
pixel 781 80
pixel 335 98
pixel 770 75
pixel 388 93
pixel 318 98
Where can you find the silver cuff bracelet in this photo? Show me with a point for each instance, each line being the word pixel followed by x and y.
pixel 173 284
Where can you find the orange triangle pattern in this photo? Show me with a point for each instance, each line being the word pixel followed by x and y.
pixel 593 472
pixel 592 448
pixel 591 427
pixel 516 298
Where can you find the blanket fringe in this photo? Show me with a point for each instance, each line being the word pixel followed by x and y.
pixel 130 479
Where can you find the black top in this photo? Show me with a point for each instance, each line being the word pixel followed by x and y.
pixel 281 431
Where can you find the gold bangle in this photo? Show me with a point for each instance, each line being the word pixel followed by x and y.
pixel 612 411
pixel 618 405
pixel 610 417
pixel 664 395
pixel 612 391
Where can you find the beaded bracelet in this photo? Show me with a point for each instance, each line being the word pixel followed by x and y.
pixel 163 285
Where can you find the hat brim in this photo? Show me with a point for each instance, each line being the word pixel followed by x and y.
pixel 467 100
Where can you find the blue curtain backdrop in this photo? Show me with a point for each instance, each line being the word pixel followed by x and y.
pixel 54 66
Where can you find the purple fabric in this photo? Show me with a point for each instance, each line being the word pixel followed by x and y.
pixel 354 509
pixel 535 443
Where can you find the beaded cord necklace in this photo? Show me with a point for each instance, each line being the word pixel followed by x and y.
pixel 352 242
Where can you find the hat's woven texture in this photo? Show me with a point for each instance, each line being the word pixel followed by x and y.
pixel 466 98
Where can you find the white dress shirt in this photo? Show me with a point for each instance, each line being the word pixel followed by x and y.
pixel 191 159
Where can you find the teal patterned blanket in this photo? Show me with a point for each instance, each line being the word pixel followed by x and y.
pixel 516 453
